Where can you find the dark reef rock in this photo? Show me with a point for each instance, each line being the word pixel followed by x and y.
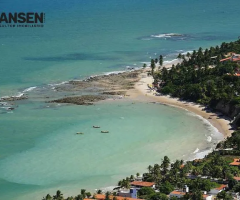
pixel 80 100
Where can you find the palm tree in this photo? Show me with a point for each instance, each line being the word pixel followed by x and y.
pixel 107 197
pixel 88 194
pixel 70 198
pixel 131 178
pixel 165 165
pixel 48 197
pixel 150 168
pixel 120 183
pixel 79 197
pixel 58 196
pixel 99 192
pixel 153 65
pixel 83 193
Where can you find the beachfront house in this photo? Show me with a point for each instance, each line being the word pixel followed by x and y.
pixel 178 194
pixel 215 191
pixel 236 178
pixel 103 197
pixel 131 193
pixel 234 58
pixel 140 184
pixel 207 197
pixel 236 162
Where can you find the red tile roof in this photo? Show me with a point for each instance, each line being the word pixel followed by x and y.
pixel 99 196
pixel 236 178
pixel 221 187
pixel 236 162
pixel 102 196
pixel 142 183
pixel 225 59
pixel 178 193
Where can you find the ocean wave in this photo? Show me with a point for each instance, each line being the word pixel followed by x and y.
pixel 167 35
pixel 196 151
pixel 202 154
pixel 170 61
pixel 209 138
pixel 212 129
pixel 29 89
pixel 57 84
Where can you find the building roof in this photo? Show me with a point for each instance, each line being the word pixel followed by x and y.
pixel 236 162
pixel 103 196
pixel 225 59
pixel 206 195
pixel 221 187
pixel 99 196
pixel 142 183
pixel 177 193
pixel 236 178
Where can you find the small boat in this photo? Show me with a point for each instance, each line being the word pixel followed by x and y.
pixel 96 126
pixel 104 131
pixel 79 133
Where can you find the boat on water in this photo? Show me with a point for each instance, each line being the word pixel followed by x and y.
pixel 79 133
pixel 96 126
pixel 104 131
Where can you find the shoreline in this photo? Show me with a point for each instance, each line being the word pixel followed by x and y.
pixel 142 93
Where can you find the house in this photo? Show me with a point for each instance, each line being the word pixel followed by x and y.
pixel 207 197
pixel 140 184
pixel 132 193
pixel 215 191
pixel 234 58
pixel 178 194
pixel 103 197
pixel 236 162
pixel 236 178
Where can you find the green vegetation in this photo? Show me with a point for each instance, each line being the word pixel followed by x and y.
pixel 202 78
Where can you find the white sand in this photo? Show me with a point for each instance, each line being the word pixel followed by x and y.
pixel 142 92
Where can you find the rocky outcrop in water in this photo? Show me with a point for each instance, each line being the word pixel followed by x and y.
pixel 80 100
pixel 13 98
pixel 115 93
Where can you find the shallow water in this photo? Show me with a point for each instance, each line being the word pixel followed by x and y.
pixel 46 152
pixel 39 151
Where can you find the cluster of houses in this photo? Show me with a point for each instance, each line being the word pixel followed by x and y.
pixel 234 58
pixel 131 194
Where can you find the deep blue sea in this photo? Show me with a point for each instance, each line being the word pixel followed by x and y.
pixel 38 151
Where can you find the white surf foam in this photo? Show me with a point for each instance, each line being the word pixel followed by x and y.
pixel 196 151
pixel 29 89
pixel 166 35
pixel 56 84
pixel 213 130
pixel 202 154
pixel 209 138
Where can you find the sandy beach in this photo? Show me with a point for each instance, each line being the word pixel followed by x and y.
pixel 142 92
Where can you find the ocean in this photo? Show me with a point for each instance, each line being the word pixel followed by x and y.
pixel 39 150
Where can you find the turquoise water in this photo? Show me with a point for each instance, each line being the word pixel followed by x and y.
pixel 48 154
pixel 39 150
